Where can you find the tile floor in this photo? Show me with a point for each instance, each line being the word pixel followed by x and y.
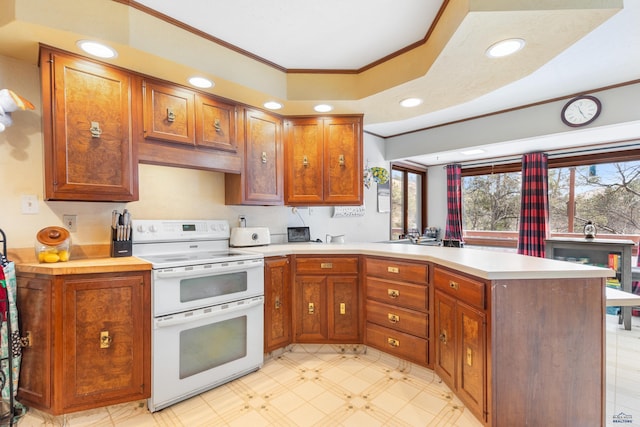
pixel 344 386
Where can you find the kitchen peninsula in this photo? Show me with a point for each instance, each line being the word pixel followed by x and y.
pixel 519 339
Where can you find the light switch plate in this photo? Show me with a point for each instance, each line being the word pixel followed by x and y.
pixel 30 204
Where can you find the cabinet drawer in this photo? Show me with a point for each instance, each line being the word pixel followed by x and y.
pixel 403 294
pixel 461 287
pixel 398 343
pixel 326 265
pixel 397 270
pixel 399 319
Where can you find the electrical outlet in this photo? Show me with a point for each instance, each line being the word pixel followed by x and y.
pixel 70 222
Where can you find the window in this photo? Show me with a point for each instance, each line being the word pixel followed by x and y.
pixel 408 204
pixel 603 188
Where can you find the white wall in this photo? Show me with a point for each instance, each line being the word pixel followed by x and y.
pixel 437 198
pixel 165 192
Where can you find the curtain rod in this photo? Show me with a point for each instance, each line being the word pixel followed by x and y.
pixel 553 154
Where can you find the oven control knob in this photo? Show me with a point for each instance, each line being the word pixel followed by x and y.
pixel 152 228
pixel 140 229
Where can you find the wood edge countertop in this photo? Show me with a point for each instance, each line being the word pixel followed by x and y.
pixel 84 260
pixel 85 266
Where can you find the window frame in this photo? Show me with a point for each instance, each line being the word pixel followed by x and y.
pixel 406 169
pixel 509 239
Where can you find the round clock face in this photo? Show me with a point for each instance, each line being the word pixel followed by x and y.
pixel 590 230
pixel 581 111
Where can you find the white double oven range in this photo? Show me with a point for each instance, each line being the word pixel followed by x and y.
pixel 207 307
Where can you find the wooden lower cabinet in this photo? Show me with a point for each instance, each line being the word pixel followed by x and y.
pixel 460 356
pixel 277 303
pixel 326 300
pixel 397 308
pixel 89 340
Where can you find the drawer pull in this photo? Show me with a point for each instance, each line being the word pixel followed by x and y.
pixel 26 341
pixel 312 308
pixel 393 318
pixel 393 342
pixel 393 270
pixel 454 285
pixel 343 308
pixel 171 116
pixel 95 130
pixel 326 265
pixel 305 161
pixel 443 336
pixel 105 339
pixel 277 304
pixel 469 356
pixel 393 293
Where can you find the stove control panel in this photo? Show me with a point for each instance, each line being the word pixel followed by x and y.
pixel 152 230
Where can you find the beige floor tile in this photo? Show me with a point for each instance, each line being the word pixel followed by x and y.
pixel 342 386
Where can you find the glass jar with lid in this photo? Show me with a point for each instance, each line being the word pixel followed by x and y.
pixel 53 244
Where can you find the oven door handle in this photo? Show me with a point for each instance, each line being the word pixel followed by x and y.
pixel 182 319
pixel 186 274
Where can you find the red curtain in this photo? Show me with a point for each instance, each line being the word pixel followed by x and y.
pixel 454 203
pixel 534 205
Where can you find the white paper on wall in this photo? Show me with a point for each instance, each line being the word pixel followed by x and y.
pixel 348 211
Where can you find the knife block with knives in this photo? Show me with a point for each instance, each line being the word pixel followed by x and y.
pixel 121 244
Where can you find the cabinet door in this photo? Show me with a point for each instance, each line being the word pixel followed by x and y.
pixel 105 332
pixel 34 309
pixel 215 124
pixel 344 310
pixel 87 123
pixel 310 308
pixel 471 366
pixel 277 304
pixel 304 175
pixel 169 113
pixel 343 161
pixel 445 331
pixel 263 158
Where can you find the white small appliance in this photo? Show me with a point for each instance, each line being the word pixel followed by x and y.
pixel 249 236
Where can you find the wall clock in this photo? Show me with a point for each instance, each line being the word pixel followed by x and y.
pixel 581 110
pixel 589 230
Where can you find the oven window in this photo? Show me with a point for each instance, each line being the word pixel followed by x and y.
pixel 212 286
pixel 212 345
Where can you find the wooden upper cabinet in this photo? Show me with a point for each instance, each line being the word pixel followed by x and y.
pixel 343 161
pixel 215 124
pixel 179 115
pixel 169 113
pixel 87 123
pixel 324 161
pixel 261 180
pixel 305 162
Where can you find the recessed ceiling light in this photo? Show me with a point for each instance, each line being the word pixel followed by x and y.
pixel 272 105
pixel 201 82
pixel 323 108
pixel 411 102
pixel 472 151
pixel 505 48
pixel 97 49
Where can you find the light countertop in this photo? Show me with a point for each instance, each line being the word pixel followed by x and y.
pixel 486 264
pixel 483 263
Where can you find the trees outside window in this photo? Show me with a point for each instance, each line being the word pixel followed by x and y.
pixel 606 193
pixel 408 204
